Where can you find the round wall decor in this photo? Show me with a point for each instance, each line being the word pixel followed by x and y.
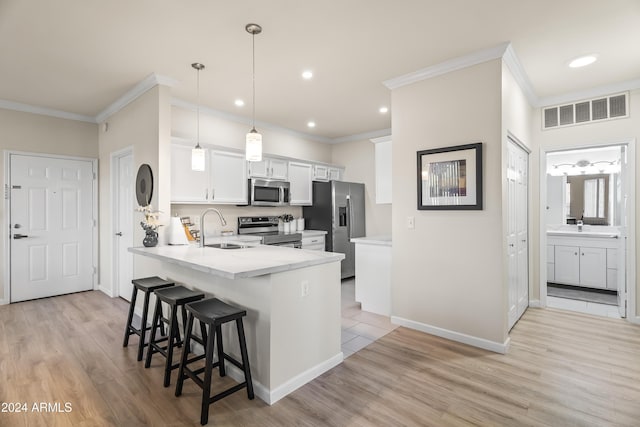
pixel 144 185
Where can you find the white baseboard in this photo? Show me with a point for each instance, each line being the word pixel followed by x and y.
pixel 271 397
pixel 453 336
pixel 634 319
pixel 535 303
pixel 105 290
pixel 4 302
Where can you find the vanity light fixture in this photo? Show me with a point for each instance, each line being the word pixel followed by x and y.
pixel 253 147
pixel 197 153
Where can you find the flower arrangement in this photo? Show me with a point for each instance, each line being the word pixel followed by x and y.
pixel 150 217
pixel 286 217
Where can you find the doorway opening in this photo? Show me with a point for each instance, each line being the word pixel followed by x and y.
pixel 588 229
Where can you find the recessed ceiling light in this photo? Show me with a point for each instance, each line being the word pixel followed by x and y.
pixel 383 110
pixel 583 61
pixel 307 74
pixel 239 103
pixel 311 124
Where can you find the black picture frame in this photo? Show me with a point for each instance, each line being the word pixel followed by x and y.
pixel 450 178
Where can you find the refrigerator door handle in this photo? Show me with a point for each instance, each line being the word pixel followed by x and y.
pixel 348 218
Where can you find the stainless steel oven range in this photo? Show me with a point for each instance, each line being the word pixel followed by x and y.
pixel 267 228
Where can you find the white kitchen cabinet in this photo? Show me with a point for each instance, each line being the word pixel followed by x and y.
pixel 268 168
pixel 315 243
pixel 335 174
pixel 228 178
pixel 301 186
pixel 320 173
pixel 187 185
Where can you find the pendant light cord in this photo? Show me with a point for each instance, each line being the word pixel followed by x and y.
pixel 198 110
pixel 253 49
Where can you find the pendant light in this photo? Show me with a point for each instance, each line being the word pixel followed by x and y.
pixel 197 153
pixel 253 146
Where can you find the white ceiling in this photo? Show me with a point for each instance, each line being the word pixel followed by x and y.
pixel 79 56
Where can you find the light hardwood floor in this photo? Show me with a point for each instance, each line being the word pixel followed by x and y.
pixel 562 369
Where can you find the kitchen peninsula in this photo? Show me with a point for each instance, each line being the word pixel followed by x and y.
pixel 292 298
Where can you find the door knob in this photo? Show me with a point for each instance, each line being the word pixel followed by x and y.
pixel 119 234
pixel 19 236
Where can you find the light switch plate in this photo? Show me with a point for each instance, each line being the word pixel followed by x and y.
pixel 411 222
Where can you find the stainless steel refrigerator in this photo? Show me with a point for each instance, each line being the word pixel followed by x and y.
pixel 338 209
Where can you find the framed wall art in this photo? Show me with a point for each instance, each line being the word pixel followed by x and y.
pixel 450 178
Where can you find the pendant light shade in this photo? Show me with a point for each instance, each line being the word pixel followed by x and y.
pixel 197 153
pixel 253 146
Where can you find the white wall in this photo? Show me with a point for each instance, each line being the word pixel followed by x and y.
pixel 144 124
pixel 516 123
pixel 41 134
pixel 611 131
pixel 447 272
pixel 358 157
pixel 221 131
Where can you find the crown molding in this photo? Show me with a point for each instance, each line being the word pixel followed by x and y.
pixel 363 136
pixel 595 92
pixel 381 139
pixel 132 94
pixel 44 111
pixel 247 121
pixel 519 74
pixel 447 66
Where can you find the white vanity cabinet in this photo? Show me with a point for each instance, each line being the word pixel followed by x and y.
pixel 583 261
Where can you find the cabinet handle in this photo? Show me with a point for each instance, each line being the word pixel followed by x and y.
pixel 213 193
pixel 206 194
pixel 271 173
pixel 511 245
pixel 582 253
pixel 575 253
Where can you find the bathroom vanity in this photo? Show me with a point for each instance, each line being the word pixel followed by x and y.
pixel 593 257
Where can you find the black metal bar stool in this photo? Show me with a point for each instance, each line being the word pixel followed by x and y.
pixel 175 297
pixel 213 313
pixel 146 285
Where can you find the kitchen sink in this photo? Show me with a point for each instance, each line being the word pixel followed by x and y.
pixel 226 246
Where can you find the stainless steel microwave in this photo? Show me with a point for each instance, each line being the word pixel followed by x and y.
pixel 268 192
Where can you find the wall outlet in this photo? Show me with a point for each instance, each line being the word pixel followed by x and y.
pixel 411 222
pixel 304 288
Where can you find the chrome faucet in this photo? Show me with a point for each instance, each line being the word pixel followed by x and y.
pixel 580 225
pixel 222 221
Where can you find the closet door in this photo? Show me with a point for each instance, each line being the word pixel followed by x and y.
pixel 517 231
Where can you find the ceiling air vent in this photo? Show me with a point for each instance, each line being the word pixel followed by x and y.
pixel 550 117
pixel 618 106
pixel 586 111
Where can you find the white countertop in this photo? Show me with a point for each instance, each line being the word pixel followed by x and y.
pixel 598 231
pixel 251 261
pixel 373 240
pixel 311 233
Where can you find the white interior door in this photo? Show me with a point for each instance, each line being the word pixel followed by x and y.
pixel 517 232
pixel 123 185
pixel 52 223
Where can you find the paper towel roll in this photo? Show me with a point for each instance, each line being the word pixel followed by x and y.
pixel 177 235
